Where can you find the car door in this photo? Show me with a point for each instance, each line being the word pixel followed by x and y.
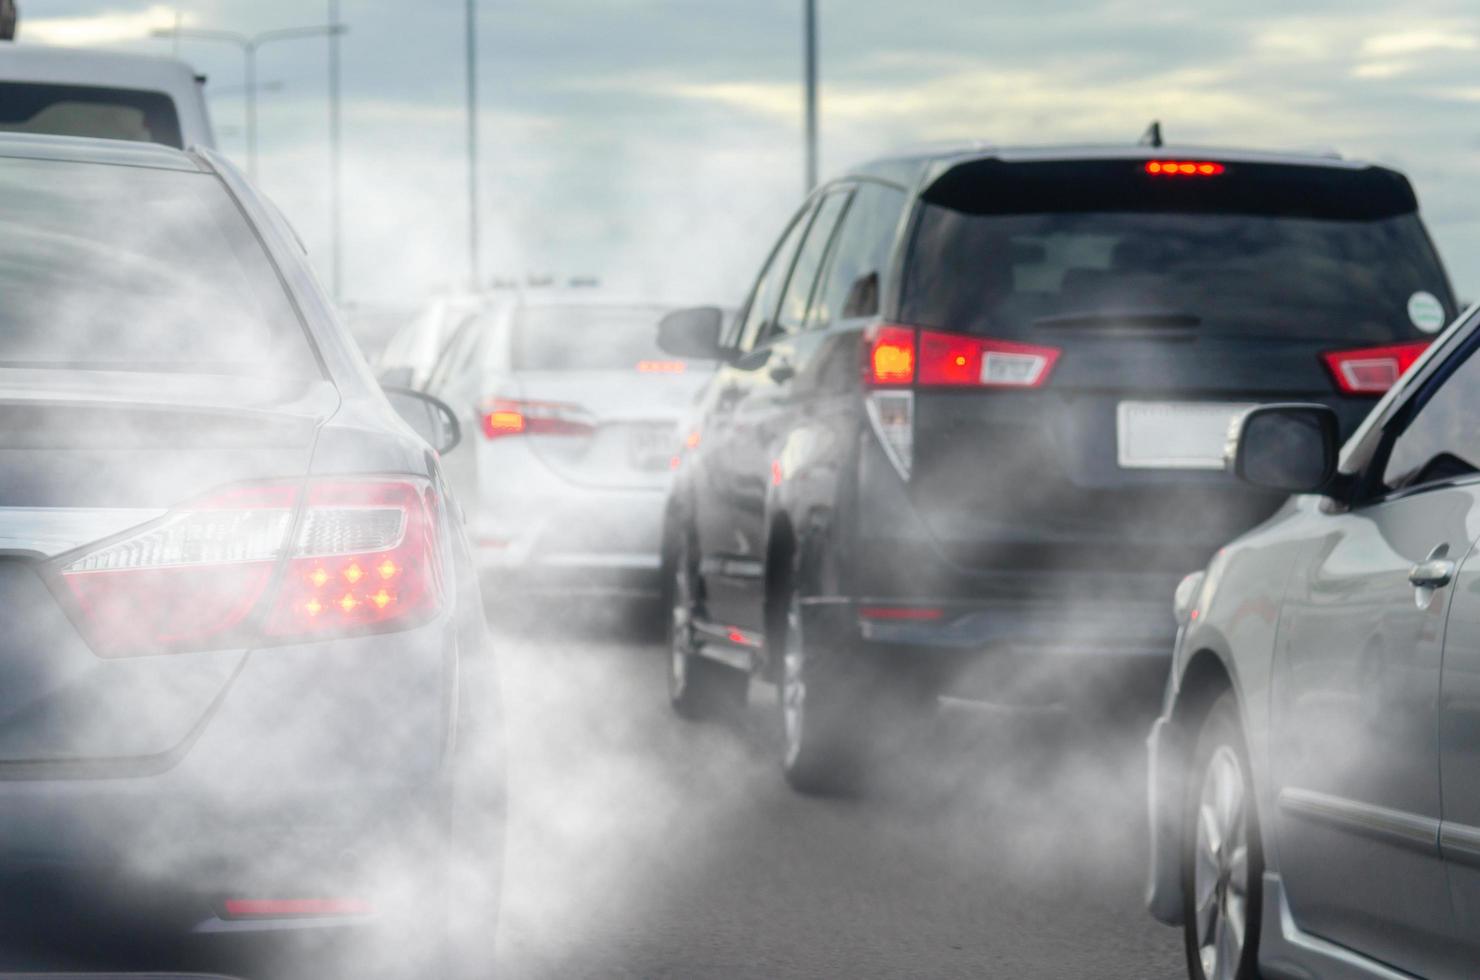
pixel 771 402
pixel 1355 708
pixel 729 568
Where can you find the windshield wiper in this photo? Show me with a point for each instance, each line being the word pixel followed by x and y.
pixel 1091 319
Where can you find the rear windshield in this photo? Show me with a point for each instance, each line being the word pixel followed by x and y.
pixel 1261 251
pixel 128 268
pixel 83 110
pixel 589 338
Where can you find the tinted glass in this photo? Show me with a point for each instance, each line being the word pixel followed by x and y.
pixel 1443 440
pixel 793 310
pixel 850 283
pixel 79 110
pixel 767 290
pixel 127 268
pixel 1277 257
pixel 586 338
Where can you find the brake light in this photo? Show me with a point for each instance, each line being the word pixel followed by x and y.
pixel 1184 168
pixel 292 908
pixel 662 367
pixel 890 358
pixel 1372 370
pixel 245 566
pixel 513 416
pixel 898 356
pixel 961 360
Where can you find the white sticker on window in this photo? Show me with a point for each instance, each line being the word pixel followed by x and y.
pixel 1426 312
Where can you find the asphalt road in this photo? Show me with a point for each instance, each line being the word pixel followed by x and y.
pixel 1006 844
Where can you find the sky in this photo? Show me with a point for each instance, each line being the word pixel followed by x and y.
pixel 657 144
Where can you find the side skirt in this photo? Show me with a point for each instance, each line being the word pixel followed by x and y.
pixel 1286 953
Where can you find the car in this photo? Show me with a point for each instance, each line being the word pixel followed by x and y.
pixel 247 696
pixel 104 94
pixel 1314 773
pixel 968 432
pixel 408 357
pixel 573 413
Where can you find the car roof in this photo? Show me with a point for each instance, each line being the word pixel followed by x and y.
pixel 911 165
pixel 85 149
pixel 85 66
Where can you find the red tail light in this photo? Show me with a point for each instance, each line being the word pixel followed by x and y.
pixel 1372 370
pixel 292 908
pixel 249 565
pixel 513 417
pixel 1184 168
pixel 902 356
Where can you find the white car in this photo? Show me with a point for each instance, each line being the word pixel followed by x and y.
pixel 74 92
pixel 572 419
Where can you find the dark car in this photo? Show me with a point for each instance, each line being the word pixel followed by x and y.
pixel 1316 769
pixel 245 687
pixel 969 430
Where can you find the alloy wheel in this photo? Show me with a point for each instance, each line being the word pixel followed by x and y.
pixel 1221 867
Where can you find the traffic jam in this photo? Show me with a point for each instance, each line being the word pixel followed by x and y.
pixel 1047 558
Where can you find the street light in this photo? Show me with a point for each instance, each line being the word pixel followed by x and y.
pixel 810 83
pixel 249 43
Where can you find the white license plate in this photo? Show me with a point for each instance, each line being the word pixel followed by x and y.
pixel 651 447
pixel 1174 435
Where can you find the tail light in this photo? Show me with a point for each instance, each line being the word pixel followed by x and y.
pixel 514 417
pixel 1372 370
pixel 248 566
pixel 898 359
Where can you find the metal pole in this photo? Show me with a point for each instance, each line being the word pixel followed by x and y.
pixel 471 28
pixel 249 53
pixel 336 277
pixel 811 91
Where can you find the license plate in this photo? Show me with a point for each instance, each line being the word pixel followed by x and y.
pixel 1174 435
pixel 651 447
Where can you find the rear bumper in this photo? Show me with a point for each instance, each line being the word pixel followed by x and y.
pixel 320 772
pixel 1011 650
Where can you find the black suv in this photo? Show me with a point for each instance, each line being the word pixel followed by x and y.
pixel 968 431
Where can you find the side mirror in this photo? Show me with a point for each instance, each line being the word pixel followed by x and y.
pixel 429 417
pixel 1287 447
pixel 693 333
pixel 399 376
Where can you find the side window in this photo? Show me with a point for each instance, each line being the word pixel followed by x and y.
pixel 767 290
pixel 454 355
pixel 1442 441
pixel 793 310
pixel 850 282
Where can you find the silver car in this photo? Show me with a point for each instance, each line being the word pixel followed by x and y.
pixel 572 414
pixel 1315 773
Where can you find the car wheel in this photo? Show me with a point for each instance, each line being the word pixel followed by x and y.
pixel 1222 862
pixel 698 688
pixel 819 750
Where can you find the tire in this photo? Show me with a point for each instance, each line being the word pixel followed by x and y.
pixel 1222 859
pixel 699 689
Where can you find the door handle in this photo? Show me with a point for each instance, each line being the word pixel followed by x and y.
pixel 1432 574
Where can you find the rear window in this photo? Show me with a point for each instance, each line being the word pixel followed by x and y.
pixel 83 110
pixel 1258 250
pixel 128 268
pixel 589 338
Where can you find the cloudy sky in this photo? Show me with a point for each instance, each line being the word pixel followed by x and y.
pixel 658 142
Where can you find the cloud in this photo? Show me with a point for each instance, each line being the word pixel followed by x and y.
pixel 108 27
pixel 1420 41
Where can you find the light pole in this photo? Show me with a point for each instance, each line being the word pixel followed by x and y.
pixel 810 82
pixel 471 28
pixel 249 43
pixel 336 275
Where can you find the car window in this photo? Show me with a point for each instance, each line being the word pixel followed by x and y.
pixel 792 312
pixel 86 110
pixel 850 281
pixel 588 338
pixel 455 355
pixel 764 297
pixel 1442 440
pixel 135 269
